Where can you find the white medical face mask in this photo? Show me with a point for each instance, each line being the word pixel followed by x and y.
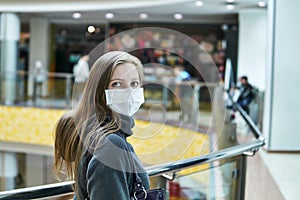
pixel 125 101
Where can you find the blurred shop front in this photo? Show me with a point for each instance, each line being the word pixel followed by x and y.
pixel 57 47
pixel 69 41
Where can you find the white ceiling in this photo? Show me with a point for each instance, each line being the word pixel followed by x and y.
pixel 94 10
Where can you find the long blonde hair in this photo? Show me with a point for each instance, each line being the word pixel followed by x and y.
pixel 84 127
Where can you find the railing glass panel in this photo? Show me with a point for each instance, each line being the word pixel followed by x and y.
pixel 224 179
pixel 24 89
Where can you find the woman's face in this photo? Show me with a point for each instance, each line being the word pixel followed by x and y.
pixel 124 76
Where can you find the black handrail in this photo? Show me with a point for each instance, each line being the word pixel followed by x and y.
pixel 199 160
pixel 38 191
pixel 255 130
pixel 66 187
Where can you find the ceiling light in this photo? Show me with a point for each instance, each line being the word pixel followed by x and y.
pixel 199 3
pixel 91 29
pixel 76 15
pixel 224 27
pixel 109 15
pixel 144 15
pixel 262 4
pixel 230 1
pixel 178 16
pixel 230 7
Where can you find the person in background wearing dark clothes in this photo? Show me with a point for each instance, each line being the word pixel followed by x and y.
pixel 246 94
pixel 91 140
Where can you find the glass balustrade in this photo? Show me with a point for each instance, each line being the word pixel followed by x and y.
pixel 212 168
pixel 222 180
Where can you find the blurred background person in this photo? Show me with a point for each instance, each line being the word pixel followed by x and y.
pixel 243 93
pixel 181 74
pixel 39 78
pixel 81 73
pixel 184 92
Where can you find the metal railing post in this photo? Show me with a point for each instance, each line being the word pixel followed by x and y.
pixel 242 164
pixel 159 182
pixel 68 91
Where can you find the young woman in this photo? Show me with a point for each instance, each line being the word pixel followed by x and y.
pixel 90 140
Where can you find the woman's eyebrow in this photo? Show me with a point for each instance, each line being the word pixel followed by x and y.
pixel 116 79
pixel 119 79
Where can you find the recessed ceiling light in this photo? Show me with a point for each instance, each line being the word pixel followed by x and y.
pixel 224 27
pixel 262 4
pixel 91 29
pixel 199 3
pixel 144 15
pixel 230 7
pixel 109 15
pixel 76 15
pixel 178 16
pixel 230 1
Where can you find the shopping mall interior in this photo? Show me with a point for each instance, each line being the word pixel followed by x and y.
pixel 195 137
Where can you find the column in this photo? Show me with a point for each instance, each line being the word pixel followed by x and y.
pixel 39 50
pixel 35 174
pixel 8 170
pixel 252 46
pixel 9 38
pixel 282 107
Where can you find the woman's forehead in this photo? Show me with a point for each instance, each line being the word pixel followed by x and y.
pixel 125 71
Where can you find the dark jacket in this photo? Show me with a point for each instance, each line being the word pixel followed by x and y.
pixel 108 174
pixel 246 95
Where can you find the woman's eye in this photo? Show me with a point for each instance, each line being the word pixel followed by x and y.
pixel 134 84
pixel 116 84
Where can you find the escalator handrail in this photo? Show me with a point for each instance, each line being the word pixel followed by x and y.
pixel 255 130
